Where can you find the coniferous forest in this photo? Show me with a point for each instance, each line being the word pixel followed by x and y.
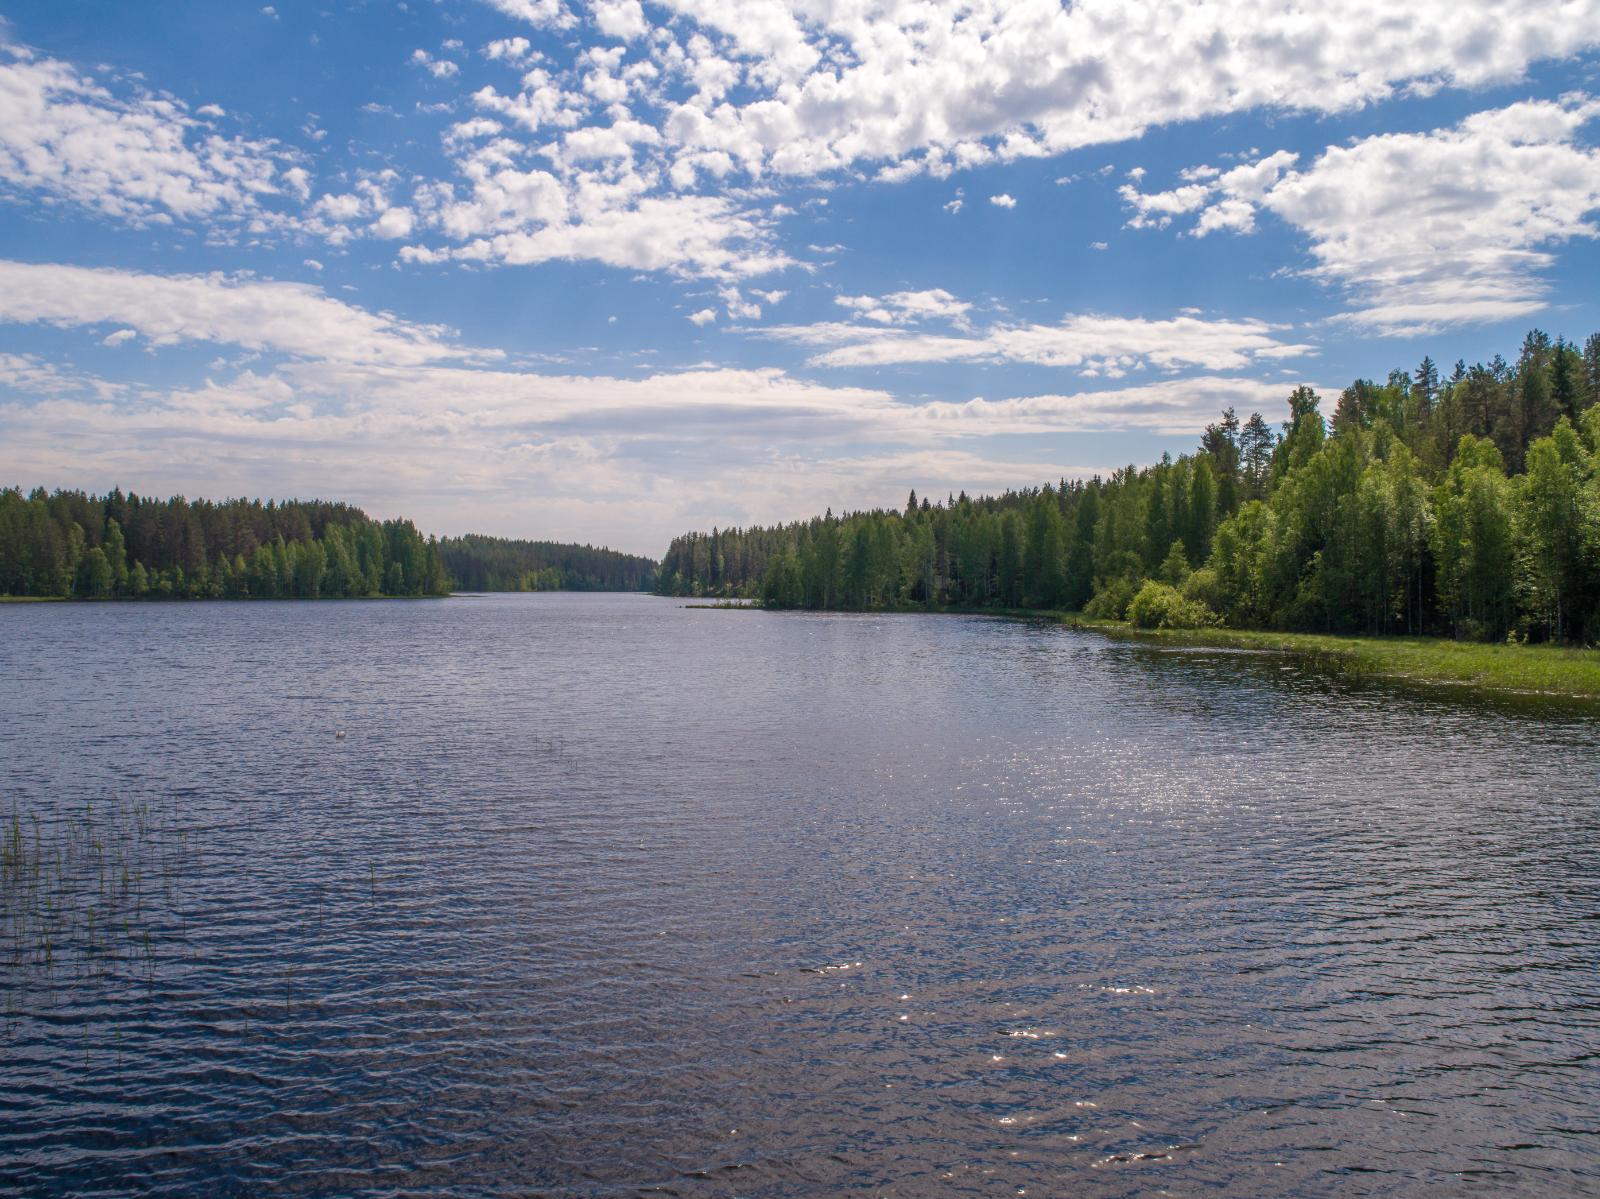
pixel 73 545
pixel 1464 504
pixel 478 563
pixel 70 544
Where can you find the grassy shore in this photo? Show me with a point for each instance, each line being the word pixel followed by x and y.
pixel 1527 669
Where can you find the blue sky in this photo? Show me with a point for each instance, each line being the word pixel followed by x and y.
pixel 610 271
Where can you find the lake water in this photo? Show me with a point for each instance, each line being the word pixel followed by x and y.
pixel 603 896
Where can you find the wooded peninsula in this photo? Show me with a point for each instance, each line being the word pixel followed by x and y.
pixel 1465 507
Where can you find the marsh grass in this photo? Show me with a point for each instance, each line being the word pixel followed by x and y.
pixel 1491 667
pixel 79 891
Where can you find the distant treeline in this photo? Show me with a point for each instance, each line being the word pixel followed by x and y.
pixel 70 544
pixel 1467 506
pixel 478 563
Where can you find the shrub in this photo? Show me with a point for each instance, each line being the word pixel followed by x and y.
pixel 1158 606
pixel 1204 587
pixel 1111 599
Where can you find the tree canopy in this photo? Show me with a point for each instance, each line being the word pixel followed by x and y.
pixel 72 544
pixel 1466 505
pixel 478 563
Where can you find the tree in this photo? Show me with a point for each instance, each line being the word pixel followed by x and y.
pixel 1552 525
pixel 1425 386
pixel 1202 510
pixel 1591 370
pixel 1256 444
pixel 1566 369
pixel 94 575
pixel 116 554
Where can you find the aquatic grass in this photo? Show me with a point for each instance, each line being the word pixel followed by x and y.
pixel 77 888
pixel 1486 666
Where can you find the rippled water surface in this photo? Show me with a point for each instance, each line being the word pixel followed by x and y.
pixel 601 895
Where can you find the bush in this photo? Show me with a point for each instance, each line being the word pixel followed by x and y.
pixel 1111 599
pixel 1158 606
pixel 1204 587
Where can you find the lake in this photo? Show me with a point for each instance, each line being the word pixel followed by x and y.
pixel 602 895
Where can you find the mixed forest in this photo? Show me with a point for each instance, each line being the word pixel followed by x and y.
pixel 1464 504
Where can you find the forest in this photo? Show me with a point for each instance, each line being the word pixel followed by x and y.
pixel 1464 505
pixel 478 563
pixel 115 546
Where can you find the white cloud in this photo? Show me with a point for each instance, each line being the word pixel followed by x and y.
pixel 567 455
pixel 1092 345
pixel 956 81
pixel 136 157
pixel 622 19
pixel 739 308
pixel 728 93
pixel 1423 229
pixel 520 217
pixel 907 307
pixel 954 206
pixel 1169 406
pixel 289 318
pixel 1224 199
pixel 439 68
pixel 704 317
pixel 394 222
pixel 511 49
pixel 543 13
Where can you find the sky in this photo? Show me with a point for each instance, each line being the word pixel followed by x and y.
pixel 615 270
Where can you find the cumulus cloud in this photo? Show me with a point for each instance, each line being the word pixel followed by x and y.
pixel 129 155
pixel 932 86
pixel 511 49
pixel 730 93
pixel 622 19
pixel 704 317
pixel 907 307
pixel 1423 229
pixel 439 68
pixel 520 217
pixel 542 13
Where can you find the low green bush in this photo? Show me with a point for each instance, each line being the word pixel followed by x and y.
pixel 1111 599
pixel 1158 606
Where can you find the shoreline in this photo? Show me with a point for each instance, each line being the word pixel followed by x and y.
pixel 1546 670
pixel 1559 671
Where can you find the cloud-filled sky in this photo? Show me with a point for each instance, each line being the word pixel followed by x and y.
pixel 606 271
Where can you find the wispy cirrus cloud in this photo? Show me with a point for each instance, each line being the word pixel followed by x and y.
pixel 1088 344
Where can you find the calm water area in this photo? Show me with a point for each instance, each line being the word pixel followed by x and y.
pixel 603 895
